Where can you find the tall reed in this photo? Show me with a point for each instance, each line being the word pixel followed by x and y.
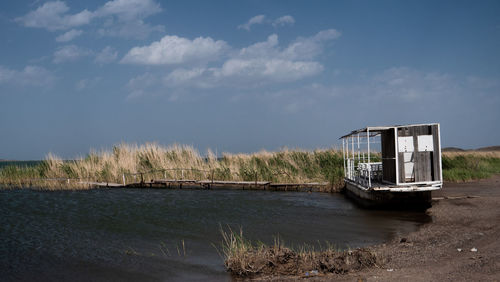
pixel 154 161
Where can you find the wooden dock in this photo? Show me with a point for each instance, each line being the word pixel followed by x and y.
pixel 215 184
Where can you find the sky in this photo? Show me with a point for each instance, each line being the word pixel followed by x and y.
pixel 242 76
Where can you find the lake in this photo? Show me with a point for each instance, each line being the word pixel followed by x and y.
pixel 160 234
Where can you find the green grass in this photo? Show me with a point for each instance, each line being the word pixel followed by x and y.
pixel 469 167
pixel 15 174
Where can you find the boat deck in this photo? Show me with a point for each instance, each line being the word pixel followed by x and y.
pixel 390 187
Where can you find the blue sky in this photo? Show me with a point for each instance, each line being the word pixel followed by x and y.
pixel 241 76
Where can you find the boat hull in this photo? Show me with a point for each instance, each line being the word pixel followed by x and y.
pixel 368 198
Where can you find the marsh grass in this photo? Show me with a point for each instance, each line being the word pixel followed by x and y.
pixel 246 259
pixel 153 161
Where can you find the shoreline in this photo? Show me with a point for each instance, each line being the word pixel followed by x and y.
pixel 460 244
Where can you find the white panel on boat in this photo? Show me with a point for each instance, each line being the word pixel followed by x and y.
pixel 408 157
pixel 405 144
pixel 409 170
pixel 425 143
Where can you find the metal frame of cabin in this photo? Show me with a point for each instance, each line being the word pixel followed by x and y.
pixel 409 159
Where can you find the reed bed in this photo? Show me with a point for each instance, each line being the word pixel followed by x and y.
pixel 132 163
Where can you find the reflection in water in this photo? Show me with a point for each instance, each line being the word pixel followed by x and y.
pixel 143 234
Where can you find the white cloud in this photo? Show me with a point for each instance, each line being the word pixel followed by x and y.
pixel 179 77
pixel 259 19
pixel 407 84
pixel 268 69
pixel 68 36
pixel 129 10
pixel 136 29
pixel 395 88
pixel 254 66
pixel 303 48
pixel 53 16
pixel 390 86
pixel 30 75
pixel 284 20
pixel 266 62
pixel 120 18
pixel 87 83
pixel 144 84
pixel 70 53
pixel 125 18
pixel 107 55
pixel 268 49
pixel 176 50
pixel 311 47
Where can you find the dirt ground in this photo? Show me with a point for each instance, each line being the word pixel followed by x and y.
pixel 461 244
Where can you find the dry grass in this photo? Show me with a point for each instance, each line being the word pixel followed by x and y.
pixel 244 259
pixel 489 154
pixel 155 162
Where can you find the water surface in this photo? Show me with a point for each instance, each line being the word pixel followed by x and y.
pixel 156 235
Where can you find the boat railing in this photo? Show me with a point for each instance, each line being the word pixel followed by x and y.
pixel 364 173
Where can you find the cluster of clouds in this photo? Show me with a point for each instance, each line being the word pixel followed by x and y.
pixel 201 62
pixel 402 89
pixel 178 64
pixel 207 63
pixel 29 76
pixel 122 18
pixel 172 49
pixel 262 19
pixel 71 53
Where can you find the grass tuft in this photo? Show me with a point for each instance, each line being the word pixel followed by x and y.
pixel 243 258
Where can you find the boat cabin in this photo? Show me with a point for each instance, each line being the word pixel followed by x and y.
pixel 401 158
